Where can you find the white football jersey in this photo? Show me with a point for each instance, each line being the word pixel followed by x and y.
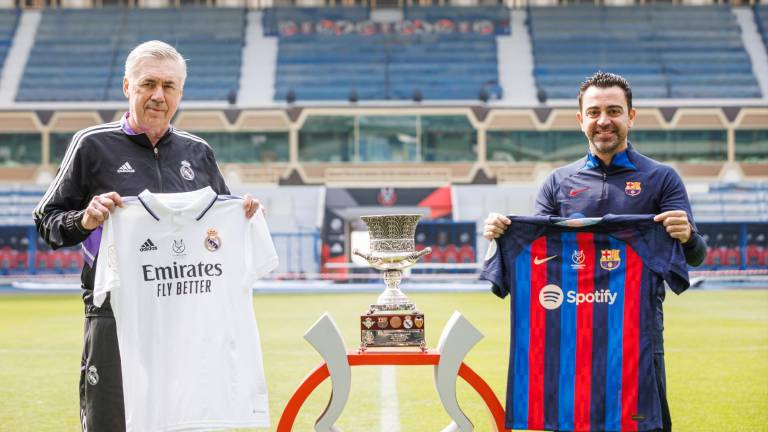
pixel 180 268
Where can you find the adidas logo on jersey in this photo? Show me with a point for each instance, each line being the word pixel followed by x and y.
pixel 147 246
pixel 126 168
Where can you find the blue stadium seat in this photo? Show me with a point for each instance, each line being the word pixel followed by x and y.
pixel 79 54
pixel 664 50
pixel 440 66
pixel 8 21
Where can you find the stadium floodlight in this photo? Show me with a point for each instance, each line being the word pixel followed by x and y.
pixel 290 96
pixel 417 96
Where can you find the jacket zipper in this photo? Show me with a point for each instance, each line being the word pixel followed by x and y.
pixel 157 167
pixel 605 178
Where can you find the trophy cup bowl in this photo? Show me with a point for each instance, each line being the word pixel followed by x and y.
pixel 393 320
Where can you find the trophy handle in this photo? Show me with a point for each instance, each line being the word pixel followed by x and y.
pixel 365 256
pixel 416 255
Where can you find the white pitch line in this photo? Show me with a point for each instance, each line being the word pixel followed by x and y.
pixel 389 416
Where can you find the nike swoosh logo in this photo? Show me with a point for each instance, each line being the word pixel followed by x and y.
pixel 538 261
pixel 575 192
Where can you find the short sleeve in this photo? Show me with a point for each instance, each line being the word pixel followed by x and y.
pixel 676 273
pixel 665 255
pixel 260 255
pixel 107 277
pixel 493 269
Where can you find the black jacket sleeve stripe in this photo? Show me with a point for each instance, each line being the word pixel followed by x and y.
pixel 66 163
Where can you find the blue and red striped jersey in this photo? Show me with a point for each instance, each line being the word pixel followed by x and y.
pixel 583 293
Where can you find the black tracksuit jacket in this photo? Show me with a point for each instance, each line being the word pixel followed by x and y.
pixel 105 158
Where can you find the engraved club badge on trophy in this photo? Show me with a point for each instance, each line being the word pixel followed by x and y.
pixel 392 250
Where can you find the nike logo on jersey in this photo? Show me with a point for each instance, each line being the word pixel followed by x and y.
pixel 575 192
pixel 125 168
pixel 538 261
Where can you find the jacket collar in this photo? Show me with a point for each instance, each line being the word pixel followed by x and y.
pixel 192 204
pixel 126 127
pixel 621 160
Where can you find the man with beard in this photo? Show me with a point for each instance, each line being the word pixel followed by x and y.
pixel 614 178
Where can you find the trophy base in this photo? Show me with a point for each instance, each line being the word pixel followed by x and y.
pixel 392 329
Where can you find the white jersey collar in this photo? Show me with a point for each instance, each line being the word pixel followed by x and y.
pixel 192 204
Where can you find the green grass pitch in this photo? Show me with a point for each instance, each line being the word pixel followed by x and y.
pixel 716 343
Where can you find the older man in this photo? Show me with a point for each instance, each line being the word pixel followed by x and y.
pixel 140 151
pixel 614 178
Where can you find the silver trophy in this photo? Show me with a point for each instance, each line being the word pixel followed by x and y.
pixel 393 321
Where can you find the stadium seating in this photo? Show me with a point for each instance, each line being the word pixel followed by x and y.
pixel 761 19
pixel 79 54
pixel 326 65
pixel 665 51
pixel 17 231
pixel 732 202
pixel 8 21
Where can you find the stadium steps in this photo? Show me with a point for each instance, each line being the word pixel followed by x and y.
pixel 754 44
pixel 515 61
pixel 16 37
pixel 257 75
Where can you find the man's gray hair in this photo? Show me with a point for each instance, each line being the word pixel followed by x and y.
pixel 154 49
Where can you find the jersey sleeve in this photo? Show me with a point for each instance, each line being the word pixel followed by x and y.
pixel 494 269
pixel 674 265
pixel 107 278
pixel 261 257
pixel 499 266
pixel 663 253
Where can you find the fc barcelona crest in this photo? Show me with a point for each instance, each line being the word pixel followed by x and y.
pixel 633 188
pixel 610 259
pixel 212 240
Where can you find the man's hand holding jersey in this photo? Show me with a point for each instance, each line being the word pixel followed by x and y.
pixel 676 223
pixel 252 205
pixel 495 225
pixel 99 208
pixel 102 205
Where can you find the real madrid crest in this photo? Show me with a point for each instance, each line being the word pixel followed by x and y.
pixel 212 240
pixel 186 170
pixel 92 375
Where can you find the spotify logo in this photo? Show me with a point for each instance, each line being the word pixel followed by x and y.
pixel 551 297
